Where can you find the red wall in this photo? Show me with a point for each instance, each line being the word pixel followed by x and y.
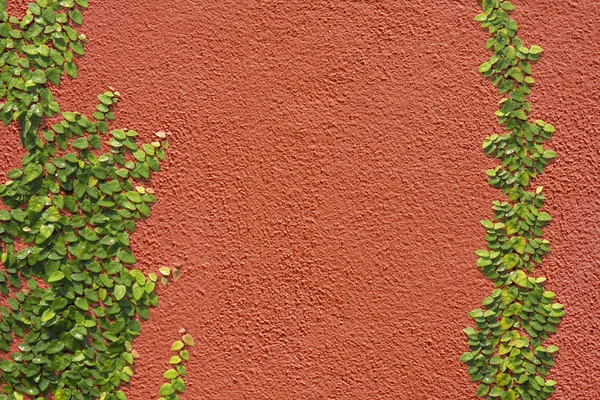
pixel 325 186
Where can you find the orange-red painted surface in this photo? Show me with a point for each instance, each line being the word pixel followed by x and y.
pixel 325 185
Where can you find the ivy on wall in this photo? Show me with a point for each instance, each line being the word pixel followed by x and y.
pixel 176 385
pixel 508 357
pixel 73 301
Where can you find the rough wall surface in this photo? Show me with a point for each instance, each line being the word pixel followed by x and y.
pixel 325 185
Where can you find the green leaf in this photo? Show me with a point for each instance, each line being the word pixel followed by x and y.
pixel 81 302
pixel 509 295
pixel 80 143
pixel 549 295
pixel 4 215
pixel 188 339
pixel 51 214
pixel 76 16
pixel 535 50
pixel 148 149
pixel 120 291
pixel 47 315
pixel 496 360
pixel 134 197
pixel 517 95
pixel 178 345
pixel 31 171
pixel 507 6
pixel 53 75
pixel 487 224
pixel 482 253
pixel 14 173
pixel 477 313
pixel 46 231
pixel 55 347
pixel 170 374
pixel 552 349
pixel 49 15
pixel 126 256
pixel 71 69
pixel 119 134
pixel 34 8
pixel 39 77
pixel 544 217
pixel 178 385
pixel 485 67
pixel 510 260
pixel 503 379
pixel 519 244
pixel 138 291
pixel 549 154
pixel 519 277
pixel 482 390
pixel 62 394
pixel 77 48
pixel 505 86
pixel 166 389
pixel 56 276
pixel 13 303
pixel 512 227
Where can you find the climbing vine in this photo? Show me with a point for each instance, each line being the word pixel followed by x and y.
pixel 73 301
pixel 508 357
pixel 175 375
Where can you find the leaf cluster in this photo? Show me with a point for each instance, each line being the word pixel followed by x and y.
pixel 74 209
pixel 38 49
pixel 507 356
pixel 175 375
pixel 74 300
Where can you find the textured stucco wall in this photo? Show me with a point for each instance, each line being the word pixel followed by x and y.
pixel 325 186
